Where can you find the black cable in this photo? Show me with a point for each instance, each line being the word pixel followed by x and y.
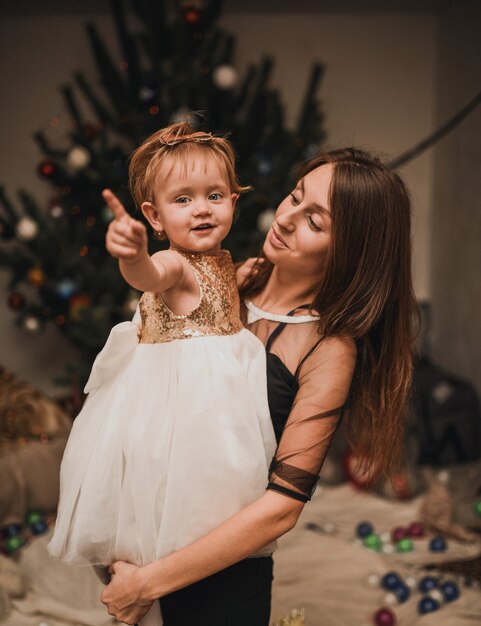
pixel 436 136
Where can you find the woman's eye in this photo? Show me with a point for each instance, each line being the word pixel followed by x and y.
pixel 215 196
pixel 182 200
pixel 294 200
pixel 312 224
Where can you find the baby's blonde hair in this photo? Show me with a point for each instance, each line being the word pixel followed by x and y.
pixel 180 142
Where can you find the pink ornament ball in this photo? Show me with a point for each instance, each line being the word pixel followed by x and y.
pixel 416 530
pixel 384 617
pixel 398 533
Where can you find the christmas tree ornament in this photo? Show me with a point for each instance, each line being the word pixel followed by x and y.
pixel 384 617
pixel 390 581
pixel 78 158
pixel 363 529
pixel 130 305
pixel 438 544
pixel 40 527
pixel 16 301
pixel 56 211
pixel 427 605
pixel 265 219
pixel 411 582
pixel 388 548
pixel 373 580
pixel 147 94
pixel 225 77
pixel 373 542
pixel 450 591
pixel 33 517
pixel 65 288
pixel 91 130
pixel 477 508
pixel 416 530
pixel 12 544
pixel 398 533
pixel 404 545
pixel 402 592
pixel 427 583
pixel 32 324
pixel 182 115
pixel 264 164
pixel 12 530
pixel 46 168
pixel 436 594
pixel 78 303
pixel 35 276
pixel 390 599
pixel 26 229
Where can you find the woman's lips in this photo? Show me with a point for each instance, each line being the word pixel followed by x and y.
pixel 276 240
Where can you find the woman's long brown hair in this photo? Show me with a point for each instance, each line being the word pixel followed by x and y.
pixel 366 293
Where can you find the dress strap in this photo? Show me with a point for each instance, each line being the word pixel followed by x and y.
pixel 254 314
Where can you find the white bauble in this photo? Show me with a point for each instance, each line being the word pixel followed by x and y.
pixel 78 158
pixel 31 324
pixel 182 115
pixel 225 77
pixel 373 580
pixel 56 211
pixel 26 229
pixel 391 599
pixel 265 220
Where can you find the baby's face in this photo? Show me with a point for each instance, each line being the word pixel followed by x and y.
pixel 194 204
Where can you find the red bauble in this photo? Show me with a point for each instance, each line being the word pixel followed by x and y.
pixel 16 301
pixel 416 530
pixel 191 15
pixel 398 533
pixel 384 617
pixel 46 168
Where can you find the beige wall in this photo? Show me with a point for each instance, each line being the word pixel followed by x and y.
pixel 378 93
pixel 456 223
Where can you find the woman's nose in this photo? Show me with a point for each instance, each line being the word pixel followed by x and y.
pixel 285 221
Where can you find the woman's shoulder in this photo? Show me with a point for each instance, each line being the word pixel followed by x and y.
pixel 331 352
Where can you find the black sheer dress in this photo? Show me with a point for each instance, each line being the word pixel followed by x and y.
pixel 308 381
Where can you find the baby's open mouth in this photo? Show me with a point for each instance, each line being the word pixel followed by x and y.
pixel 205 226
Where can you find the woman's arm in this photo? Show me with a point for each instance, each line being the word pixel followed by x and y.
pixel 133 589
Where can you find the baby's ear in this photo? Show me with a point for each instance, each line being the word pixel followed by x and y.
pixel 234 197
pixel 152 216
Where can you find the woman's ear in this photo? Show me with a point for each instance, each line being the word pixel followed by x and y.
pixel 152 216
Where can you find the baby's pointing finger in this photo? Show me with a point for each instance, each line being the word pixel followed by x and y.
pixel 114 205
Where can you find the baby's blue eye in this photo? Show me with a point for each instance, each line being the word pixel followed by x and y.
pixel 182 200
pixel 215 196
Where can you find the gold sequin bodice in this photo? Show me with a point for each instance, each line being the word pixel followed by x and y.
pixel 216 314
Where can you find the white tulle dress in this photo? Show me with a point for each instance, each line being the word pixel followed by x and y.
pixel 175 435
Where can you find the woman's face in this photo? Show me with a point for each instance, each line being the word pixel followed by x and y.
pixel 300 235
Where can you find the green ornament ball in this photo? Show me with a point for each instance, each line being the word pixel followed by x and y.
pixel 477 508
pixel 13 544
pixel 404 545
pixel 33 517
pixel 373 542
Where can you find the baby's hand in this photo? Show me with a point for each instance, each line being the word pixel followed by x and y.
pixel 247 269
pixel 126 238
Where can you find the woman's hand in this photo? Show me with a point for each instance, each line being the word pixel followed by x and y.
pixel 249 268
pixel 122 596
pixel 126 238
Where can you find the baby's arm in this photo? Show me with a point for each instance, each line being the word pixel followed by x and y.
pixel 126 240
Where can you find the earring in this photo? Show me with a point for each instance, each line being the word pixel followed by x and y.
pixel 159 235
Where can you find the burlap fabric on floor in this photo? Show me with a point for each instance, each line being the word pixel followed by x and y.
pixel 324 573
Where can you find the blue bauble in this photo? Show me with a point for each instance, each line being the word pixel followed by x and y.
pixel 427 583
pixel 402 592
pixel 450 591
pixel 66 288
pixel 428 605
pixel 11 530
pixel 39 527
pixel 363 529
pixel 390 581
pixel 438 544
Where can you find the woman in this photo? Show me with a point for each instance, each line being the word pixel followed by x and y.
pixel 334 305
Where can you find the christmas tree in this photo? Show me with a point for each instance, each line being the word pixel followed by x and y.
pixel 176 62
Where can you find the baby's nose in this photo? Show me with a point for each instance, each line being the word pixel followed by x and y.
pixel 202 207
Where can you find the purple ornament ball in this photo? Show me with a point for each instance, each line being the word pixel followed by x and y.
pixel 398 533
pixel 384 617
pixel 416 530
